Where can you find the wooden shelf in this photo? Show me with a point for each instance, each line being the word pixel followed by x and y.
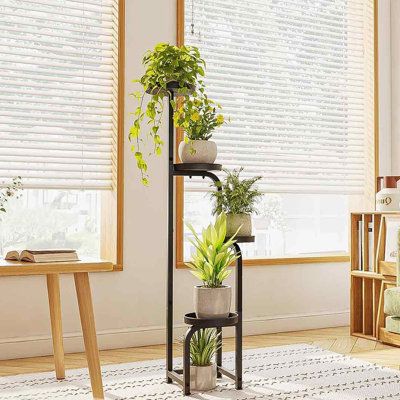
pixel 370 276
pixel 367 274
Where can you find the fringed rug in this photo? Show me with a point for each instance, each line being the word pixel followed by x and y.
pixel 276 373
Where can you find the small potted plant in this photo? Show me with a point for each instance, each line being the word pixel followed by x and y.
pixel 203 347
pixel 210 264
pixel 198 116
pixel 237 198
pixel 168 68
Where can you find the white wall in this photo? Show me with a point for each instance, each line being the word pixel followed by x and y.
pixel 130 305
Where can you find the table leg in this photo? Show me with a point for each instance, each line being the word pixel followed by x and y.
pixel 89 332
pixel 53 290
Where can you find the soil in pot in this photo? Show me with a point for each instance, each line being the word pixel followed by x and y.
pixel 198 151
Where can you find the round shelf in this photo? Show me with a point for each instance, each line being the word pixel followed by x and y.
pixel 171 87
pixel 243 239
pixel 191 319
pixel 197 167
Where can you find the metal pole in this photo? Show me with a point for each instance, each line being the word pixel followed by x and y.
pixel 170 271
pixel 239 309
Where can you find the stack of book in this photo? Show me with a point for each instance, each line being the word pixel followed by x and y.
pixel 42 256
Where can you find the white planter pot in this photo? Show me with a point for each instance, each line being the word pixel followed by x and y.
pixel 212 302
pixel 388 199
pixel 234 221
pixel 198 151
pixel 203 378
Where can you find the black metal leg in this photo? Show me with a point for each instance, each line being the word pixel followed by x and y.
pixel 239 309
pixel 219 353
pixel 170 274
pixel 186 360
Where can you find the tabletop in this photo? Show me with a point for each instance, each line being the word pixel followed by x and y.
pixel 18 268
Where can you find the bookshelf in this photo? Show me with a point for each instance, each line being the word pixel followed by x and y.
pixel 371 275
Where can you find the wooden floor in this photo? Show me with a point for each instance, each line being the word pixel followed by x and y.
pixel 334 339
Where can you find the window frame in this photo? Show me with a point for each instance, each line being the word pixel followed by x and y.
pixel 180 192
pixel 113 249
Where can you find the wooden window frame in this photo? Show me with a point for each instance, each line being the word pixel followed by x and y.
pixel 112 203
pixel 179 194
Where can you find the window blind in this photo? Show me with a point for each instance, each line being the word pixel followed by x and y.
pixel 58 92
pixel 295 78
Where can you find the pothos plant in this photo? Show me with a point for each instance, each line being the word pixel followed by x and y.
pixel 198 116
pixel 164 64
pixel 12 190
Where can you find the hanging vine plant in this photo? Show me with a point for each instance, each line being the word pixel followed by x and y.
pixel 166 66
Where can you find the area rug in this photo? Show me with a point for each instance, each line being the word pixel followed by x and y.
pixel 276 373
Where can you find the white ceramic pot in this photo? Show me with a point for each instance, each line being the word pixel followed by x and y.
pixel 203 378
pixel 234 221
pixel 212 302
pixel 198 151
pixel 388 199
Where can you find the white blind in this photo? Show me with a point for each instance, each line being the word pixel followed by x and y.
pixel 58 92
pixel 296 79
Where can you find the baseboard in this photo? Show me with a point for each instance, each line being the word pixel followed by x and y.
pixel 31 346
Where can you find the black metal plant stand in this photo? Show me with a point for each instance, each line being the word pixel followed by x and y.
pixel 182 376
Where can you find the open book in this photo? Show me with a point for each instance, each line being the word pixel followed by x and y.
pixel 41 256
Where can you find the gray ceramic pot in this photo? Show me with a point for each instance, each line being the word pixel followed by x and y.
pixel 203 378
pixel 203 151
pixel 212 302
pixel 234 221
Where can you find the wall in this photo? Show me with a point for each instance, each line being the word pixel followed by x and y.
pixel 130 306
pixel 389 87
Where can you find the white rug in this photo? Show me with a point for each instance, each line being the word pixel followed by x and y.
pixel 276 373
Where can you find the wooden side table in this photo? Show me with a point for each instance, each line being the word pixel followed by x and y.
pixel 81 270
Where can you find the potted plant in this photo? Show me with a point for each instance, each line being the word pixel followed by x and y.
pixel 8 192
pixel 237 198
pixel 168 67
pixel 198 116
pixel 203 347
pixel 210 264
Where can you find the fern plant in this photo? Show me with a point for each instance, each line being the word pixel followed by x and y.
pixel 237 196
pixel 203 346
pixel 213 254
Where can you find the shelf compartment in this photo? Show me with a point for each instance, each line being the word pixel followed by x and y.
pixel 368 306
pixel 191 319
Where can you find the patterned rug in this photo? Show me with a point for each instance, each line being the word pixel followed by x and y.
pixel 276 373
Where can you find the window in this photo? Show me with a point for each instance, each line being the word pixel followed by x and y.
pixel 60 122
pixel 296 80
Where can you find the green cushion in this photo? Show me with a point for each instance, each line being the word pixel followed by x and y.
pixel 393 324
pixel 392 302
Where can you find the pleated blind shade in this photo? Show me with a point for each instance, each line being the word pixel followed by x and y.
pixel 296 80
pixel 58 92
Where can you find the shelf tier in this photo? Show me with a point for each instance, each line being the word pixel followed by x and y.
pixel 191 319
pixel 172 87
pixel 244 239
pixel 187 167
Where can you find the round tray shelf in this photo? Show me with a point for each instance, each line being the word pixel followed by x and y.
pixel 197 167
pixel 243 239
pixel 191 319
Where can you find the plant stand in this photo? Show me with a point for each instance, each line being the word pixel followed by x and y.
pixel 182 376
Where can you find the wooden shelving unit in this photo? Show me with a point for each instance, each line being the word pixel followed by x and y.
pixel 370 276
